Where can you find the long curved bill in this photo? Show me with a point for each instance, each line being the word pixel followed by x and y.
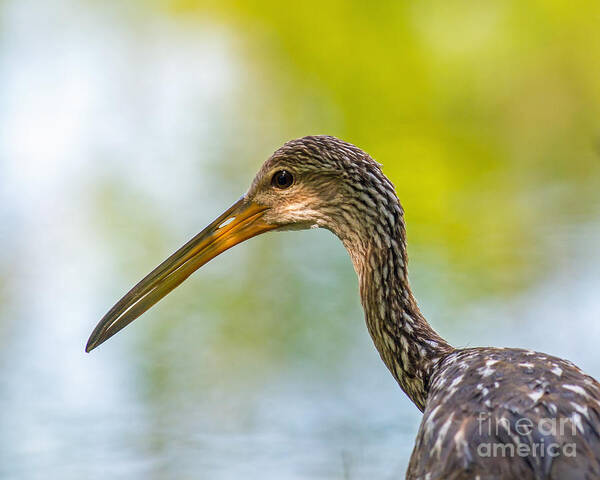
pixel 243 220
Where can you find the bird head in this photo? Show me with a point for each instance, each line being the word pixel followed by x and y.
pixel 312 182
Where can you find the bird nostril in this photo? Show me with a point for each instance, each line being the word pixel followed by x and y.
pixel 226 222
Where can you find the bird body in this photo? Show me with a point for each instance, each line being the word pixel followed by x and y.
pixel 489 413
pixel 508 414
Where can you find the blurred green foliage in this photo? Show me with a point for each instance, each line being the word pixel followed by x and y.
pixel 485 115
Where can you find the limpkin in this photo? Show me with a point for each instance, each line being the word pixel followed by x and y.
pixel 488 413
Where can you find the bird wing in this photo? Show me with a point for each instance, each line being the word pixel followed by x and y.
pixel 508 413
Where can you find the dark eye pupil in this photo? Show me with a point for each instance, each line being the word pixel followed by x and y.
pixel 282 179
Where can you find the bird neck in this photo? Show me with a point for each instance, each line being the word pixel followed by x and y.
pixel 407 344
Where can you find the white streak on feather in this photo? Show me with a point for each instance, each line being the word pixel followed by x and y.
pixel 576 389
pixel 581 409
pixel 536 395
pixel 576 419
pixel 526 365
pixel 437 447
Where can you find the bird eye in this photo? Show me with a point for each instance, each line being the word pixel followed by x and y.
pixel 282 179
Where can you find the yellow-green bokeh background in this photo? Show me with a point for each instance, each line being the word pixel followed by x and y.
pixel 127 126
pixel 494 101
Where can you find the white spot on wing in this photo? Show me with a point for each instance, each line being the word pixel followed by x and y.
pixel 437 447
pixel 590 383
pixel 576 389
pixel 456 381
pixel 581 409
pixel 430 423
pixel 576 419
pixel 462 447
pixel 535 396
pixel 486 372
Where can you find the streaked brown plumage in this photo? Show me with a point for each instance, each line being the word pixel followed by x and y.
pixel 474 400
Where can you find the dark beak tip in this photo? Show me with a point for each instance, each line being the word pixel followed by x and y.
pixel 91 344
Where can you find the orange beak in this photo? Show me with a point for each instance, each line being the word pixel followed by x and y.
pixel 243 220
